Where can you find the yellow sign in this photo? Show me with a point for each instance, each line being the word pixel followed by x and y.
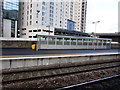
pixel 33 46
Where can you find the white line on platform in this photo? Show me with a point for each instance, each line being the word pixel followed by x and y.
pixel 57 56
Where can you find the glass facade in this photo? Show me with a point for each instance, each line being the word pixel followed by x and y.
pixel 10 9
pixel 70 25
pixel 11 4
pixel 12 28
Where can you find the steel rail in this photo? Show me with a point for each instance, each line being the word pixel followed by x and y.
pixel 97 80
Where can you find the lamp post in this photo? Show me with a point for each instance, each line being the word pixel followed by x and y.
pixel 95 27
pixel 37 20
pixel 37 31
pixel 95 31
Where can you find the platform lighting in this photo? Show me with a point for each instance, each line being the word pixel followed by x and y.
pixel 95 30
pixel 95 27
pixel 38 11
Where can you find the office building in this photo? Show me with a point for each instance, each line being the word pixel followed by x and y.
pixel 42 17
pixel 10 18
pixel 1 16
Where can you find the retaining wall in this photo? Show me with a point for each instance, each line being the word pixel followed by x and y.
pixel 8 63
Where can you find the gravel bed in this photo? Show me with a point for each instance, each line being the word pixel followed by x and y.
pixel 62 81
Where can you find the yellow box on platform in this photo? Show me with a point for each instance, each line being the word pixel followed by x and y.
pixel 33 46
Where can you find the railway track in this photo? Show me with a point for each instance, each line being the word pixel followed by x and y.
pixel 41 77
pixel 78 86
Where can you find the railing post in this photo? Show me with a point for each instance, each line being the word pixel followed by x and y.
pixel 38 43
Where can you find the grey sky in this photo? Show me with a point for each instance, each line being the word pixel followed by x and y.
pixel 106 11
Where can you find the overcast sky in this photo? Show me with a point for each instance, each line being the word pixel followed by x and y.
pixel 105 11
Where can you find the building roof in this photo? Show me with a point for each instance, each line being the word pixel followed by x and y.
pixel 70 31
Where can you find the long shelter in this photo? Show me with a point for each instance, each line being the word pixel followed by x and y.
pixel 72 42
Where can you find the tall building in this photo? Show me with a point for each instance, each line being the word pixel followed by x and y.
pixel 42 16
pixel 80 7
pixel 119 16
pixel 10 18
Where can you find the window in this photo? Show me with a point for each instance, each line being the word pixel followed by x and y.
pixel 23 28
pixel 51 19
pixel 31 5
pixel 37 16
pixel 52 3
pixel 30 22
pixel 37 5
pixel 34 30
pixel 27 7
pixel 43 8
pixel 39 30
pixel 30 30
pixel 23 33
pixel 34 36
pixel 30 16
pixel 30 11
pixel 43 13
pixel 50 11
pixel 27 12
pixel 42 23
pixel 30 36
pixel 43 18
pixel 43 3
pixel 52 24
pixel 51 15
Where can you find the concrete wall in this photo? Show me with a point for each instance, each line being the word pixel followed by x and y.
pixel 116 46
pixel 17 44
pixel 9 63
pixel 6 28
